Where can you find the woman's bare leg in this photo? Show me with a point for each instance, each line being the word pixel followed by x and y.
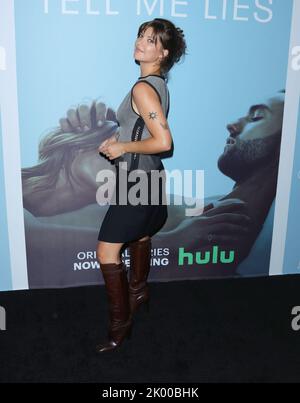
pixel 144 238
pixel 109 252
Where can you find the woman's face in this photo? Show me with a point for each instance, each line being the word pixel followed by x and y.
pixel 145 48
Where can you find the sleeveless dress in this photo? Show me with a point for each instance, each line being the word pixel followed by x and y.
pixel 129 222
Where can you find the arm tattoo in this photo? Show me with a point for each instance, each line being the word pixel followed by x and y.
pixel 164 125
pixel 153 115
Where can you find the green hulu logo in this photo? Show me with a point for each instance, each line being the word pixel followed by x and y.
pixel 214 256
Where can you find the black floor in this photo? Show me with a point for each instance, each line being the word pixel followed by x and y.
pixel 233 330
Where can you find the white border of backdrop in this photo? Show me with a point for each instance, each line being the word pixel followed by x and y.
pixel 287 150
pixel 11 147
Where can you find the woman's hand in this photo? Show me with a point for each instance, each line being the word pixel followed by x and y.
pixel 112 150
pixel 110 140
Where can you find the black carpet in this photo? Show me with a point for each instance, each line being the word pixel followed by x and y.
pixel 233 330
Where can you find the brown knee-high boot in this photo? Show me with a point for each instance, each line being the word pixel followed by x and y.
pixel 140 256
pixel 120 324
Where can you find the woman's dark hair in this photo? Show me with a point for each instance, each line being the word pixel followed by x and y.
pixel 171 37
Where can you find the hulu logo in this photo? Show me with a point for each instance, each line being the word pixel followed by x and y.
pixel 214 256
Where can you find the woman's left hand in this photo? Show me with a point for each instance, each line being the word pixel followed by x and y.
pixel 113 150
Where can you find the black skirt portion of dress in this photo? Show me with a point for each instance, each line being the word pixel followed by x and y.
pixel 128 222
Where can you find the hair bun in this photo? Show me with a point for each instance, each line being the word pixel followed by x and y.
pixel 180 31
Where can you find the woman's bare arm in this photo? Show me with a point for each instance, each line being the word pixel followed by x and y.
pixel 150 109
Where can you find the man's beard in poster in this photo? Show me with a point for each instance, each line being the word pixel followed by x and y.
pixel 245 157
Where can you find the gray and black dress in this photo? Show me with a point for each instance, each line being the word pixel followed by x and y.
pixel 128 222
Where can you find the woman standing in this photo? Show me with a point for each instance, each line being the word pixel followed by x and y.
pixel 143 135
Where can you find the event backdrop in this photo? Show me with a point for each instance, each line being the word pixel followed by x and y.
pixel 240 78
